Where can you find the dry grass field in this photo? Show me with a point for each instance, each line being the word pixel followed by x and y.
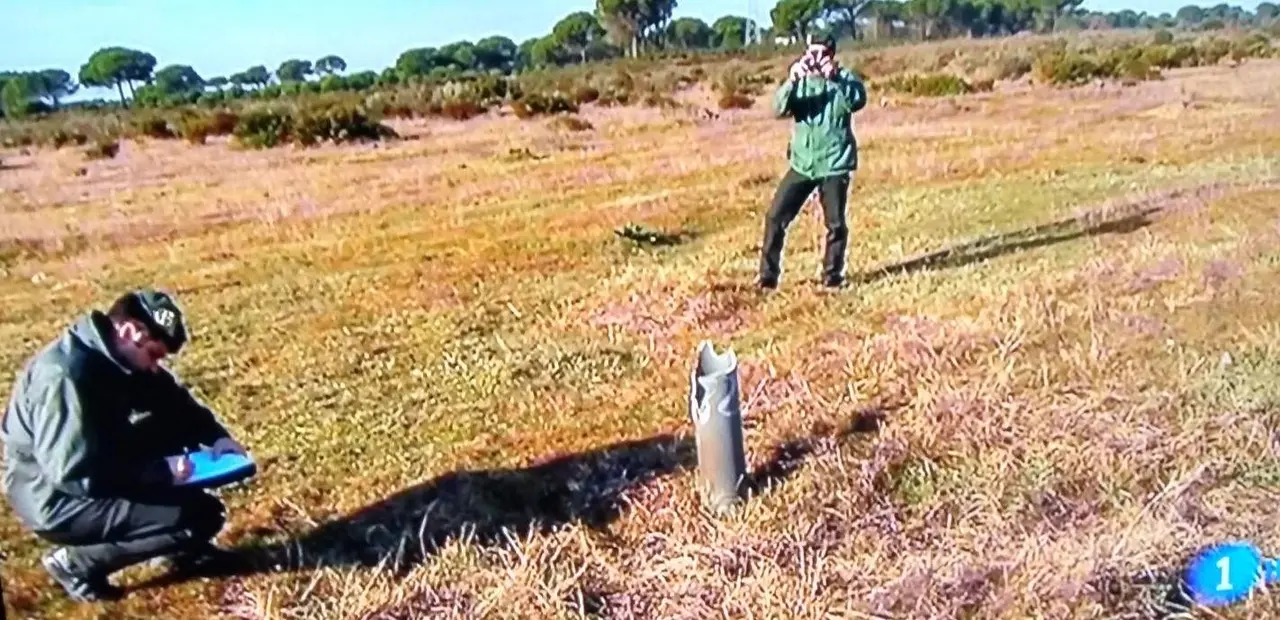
pixel 1057 368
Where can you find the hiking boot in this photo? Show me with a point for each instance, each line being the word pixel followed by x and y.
pixel 79 586
pixel 834 283
pixel 767 284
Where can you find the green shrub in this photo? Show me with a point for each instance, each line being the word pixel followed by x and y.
pixel 1159 56
pixel 151 127
pixel 1213 51
pixel 62 137
pixel 1009 68
pixel 1184 55
pixel 1066 69
pixel 1128 64
pixel 1255 45
pixel 1135 70
pixel 489 89
pixel 617 89
pixel 536 104
pixel 928 85
pixel 738 80
pixel 223 122
pixel 338 124
pixel 1162 37
pixel 263 128
pixel 332 83
pixel 195 128
pixel 309 126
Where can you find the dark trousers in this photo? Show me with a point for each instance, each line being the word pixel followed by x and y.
pixel 794 189
pixel 108 534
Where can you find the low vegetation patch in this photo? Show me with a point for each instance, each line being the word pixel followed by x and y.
pixel 150 126
pixel 539 104
pixel 929 85
pixel 271 127
pixel 1058 65
pixel 197 127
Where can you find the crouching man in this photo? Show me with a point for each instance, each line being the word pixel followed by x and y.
pixel 93 435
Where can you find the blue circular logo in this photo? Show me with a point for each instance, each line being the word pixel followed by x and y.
pixel 1224 574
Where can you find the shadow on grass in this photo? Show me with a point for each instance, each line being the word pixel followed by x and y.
pixel 993 246
pixel 787 457
pixel 488 506
pixel 1157 593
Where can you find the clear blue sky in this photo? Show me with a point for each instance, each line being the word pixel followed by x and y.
pixel 220 37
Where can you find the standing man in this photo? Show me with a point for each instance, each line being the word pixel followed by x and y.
pixel 823 154
pixel 82 473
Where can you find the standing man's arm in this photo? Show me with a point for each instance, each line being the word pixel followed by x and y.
pixel 851 93
pixel 782 98
pixel 68 453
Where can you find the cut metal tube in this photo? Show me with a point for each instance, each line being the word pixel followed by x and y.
pixel 715 407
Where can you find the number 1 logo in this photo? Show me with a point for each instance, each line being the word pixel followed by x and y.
pixel 1223 574
pixel 1224 566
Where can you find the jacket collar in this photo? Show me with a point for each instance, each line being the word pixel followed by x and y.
pixel 93 332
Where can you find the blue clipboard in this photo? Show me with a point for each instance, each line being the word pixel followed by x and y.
pixel 226 469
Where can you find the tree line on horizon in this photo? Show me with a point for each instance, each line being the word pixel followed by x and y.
pixel 616 29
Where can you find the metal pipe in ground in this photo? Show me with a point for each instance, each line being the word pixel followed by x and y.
pixel 716 410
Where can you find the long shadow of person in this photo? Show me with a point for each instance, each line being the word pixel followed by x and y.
pixel 993 246
pixel 401 530
pixel 585 488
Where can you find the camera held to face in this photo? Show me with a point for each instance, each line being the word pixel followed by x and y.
pixel 817 60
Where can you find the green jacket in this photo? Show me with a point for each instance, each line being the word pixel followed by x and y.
pixel 67 429
pixel 822 141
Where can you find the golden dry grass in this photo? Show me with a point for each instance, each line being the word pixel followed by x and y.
pixel 1057 368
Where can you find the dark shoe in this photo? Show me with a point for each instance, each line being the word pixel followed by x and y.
pixel 767 284
pixel 80 587
pixel 834 283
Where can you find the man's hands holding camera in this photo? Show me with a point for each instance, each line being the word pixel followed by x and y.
pixel 816 61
